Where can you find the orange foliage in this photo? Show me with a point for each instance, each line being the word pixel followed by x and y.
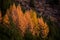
pixel 44 27
pixel 22 18
pixel 27 19
pixel 41 22
pixel 13 12
pixel 6 19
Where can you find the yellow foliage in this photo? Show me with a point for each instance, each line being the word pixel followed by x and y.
pixel 34 18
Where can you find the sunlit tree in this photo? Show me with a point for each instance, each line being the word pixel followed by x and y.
pixel 43 27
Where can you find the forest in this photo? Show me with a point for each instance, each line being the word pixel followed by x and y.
pixel 29 20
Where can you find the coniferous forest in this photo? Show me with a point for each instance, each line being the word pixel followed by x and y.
pixel 29 19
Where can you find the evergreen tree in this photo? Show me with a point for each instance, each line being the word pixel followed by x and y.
pixel 28 35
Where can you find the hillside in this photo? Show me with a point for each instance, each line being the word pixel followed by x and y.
pixel 29 20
